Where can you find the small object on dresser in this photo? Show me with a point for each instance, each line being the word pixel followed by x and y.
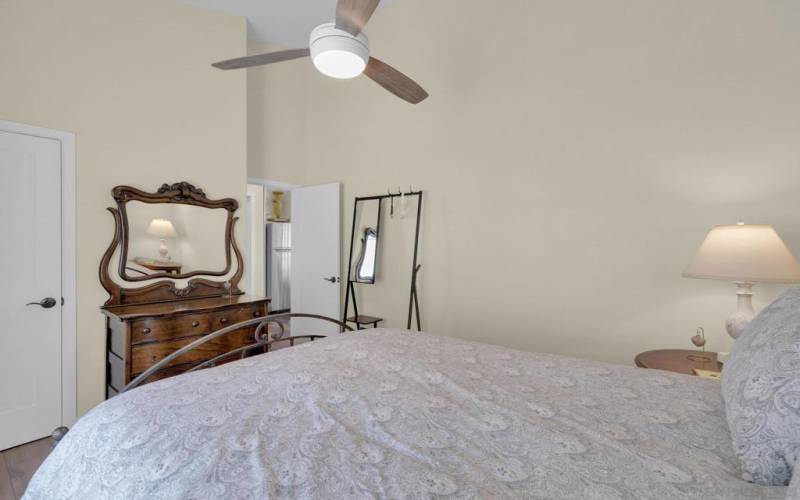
pixel 699 338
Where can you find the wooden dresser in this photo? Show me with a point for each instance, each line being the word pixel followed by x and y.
pixel 154 312
pixel 138 336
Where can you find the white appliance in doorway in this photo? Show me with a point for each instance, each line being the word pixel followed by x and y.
pixel 279 265
pixel 37 343
pixel 316 257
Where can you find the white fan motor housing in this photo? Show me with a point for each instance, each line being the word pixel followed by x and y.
pixel 337 53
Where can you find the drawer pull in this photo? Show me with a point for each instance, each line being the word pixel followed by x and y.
pixel 195 324
pixel 256 314
pixel 223 320
pixel 145 331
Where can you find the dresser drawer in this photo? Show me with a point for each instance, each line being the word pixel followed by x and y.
pixel 188 325
pixel 144 356
pixel 221 319
pixel 168 328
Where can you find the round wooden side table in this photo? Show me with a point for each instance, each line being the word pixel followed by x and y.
pixel 679 361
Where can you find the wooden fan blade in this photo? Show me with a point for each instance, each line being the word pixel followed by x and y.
pixel 352 15
pixel 395 82
pixel 262 59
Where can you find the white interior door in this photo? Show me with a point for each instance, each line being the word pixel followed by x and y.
pixel 316 259
pixel 30 264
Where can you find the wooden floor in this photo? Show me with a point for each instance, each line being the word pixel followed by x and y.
pixel 17 466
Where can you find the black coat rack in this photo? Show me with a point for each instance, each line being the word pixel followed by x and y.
pixel 413 299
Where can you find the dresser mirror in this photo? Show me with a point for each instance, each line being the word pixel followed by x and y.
pixel 172 244
pixel 174 238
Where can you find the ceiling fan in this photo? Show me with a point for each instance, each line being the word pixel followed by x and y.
pixel 341 50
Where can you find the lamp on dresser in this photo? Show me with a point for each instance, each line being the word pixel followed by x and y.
pixel 744 254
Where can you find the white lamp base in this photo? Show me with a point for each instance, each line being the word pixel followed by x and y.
pixel 163 252
pixel 738 321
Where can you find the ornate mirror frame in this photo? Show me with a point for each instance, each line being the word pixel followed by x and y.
pixel 166 289
pixel 180 193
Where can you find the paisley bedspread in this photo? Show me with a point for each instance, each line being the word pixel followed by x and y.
pixel 396 414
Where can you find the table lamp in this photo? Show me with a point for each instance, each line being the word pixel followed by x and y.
pixel 162 229
pixel 744 254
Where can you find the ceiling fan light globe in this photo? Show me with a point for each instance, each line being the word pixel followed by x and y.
pixel 339 64
pixel 337 53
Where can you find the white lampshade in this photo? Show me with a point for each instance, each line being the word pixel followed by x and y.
pixel 162 228
pixel 752 253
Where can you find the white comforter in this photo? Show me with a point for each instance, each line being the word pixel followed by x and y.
pixel 396 414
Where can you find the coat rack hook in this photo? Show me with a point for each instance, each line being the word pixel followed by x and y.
pixel 403 205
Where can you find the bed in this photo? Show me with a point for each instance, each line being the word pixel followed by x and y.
pixel 390 413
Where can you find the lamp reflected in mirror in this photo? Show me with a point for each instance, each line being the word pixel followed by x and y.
pixel 162 229
pixel 365 267
pixel 174 239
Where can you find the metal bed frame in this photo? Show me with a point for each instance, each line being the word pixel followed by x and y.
pixel 261 341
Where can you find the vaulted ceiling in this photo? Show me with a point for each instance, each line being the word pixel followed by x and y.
pixel 287 22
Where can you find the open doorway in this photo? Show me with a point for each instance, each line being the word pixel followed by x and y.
pixel 294 247
pixel 269 241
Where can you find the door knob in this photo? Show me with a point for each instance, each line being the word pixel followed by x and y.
pixel 332 279
pixel 46 302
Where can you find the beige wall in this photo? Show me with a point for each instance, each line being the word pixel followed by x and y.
pixel 132 80
pixel 573 154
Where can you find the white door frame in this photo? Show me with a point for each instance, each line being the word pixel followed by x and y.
pixel 255 256
pixel 272 185
pixel 69 390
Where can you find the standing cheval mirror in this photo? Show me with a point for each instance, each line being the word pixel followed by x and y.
pixel 367 254
pixel 367 259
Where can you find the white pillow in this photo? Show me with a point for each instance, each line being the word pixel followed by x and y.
pixel 761 388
